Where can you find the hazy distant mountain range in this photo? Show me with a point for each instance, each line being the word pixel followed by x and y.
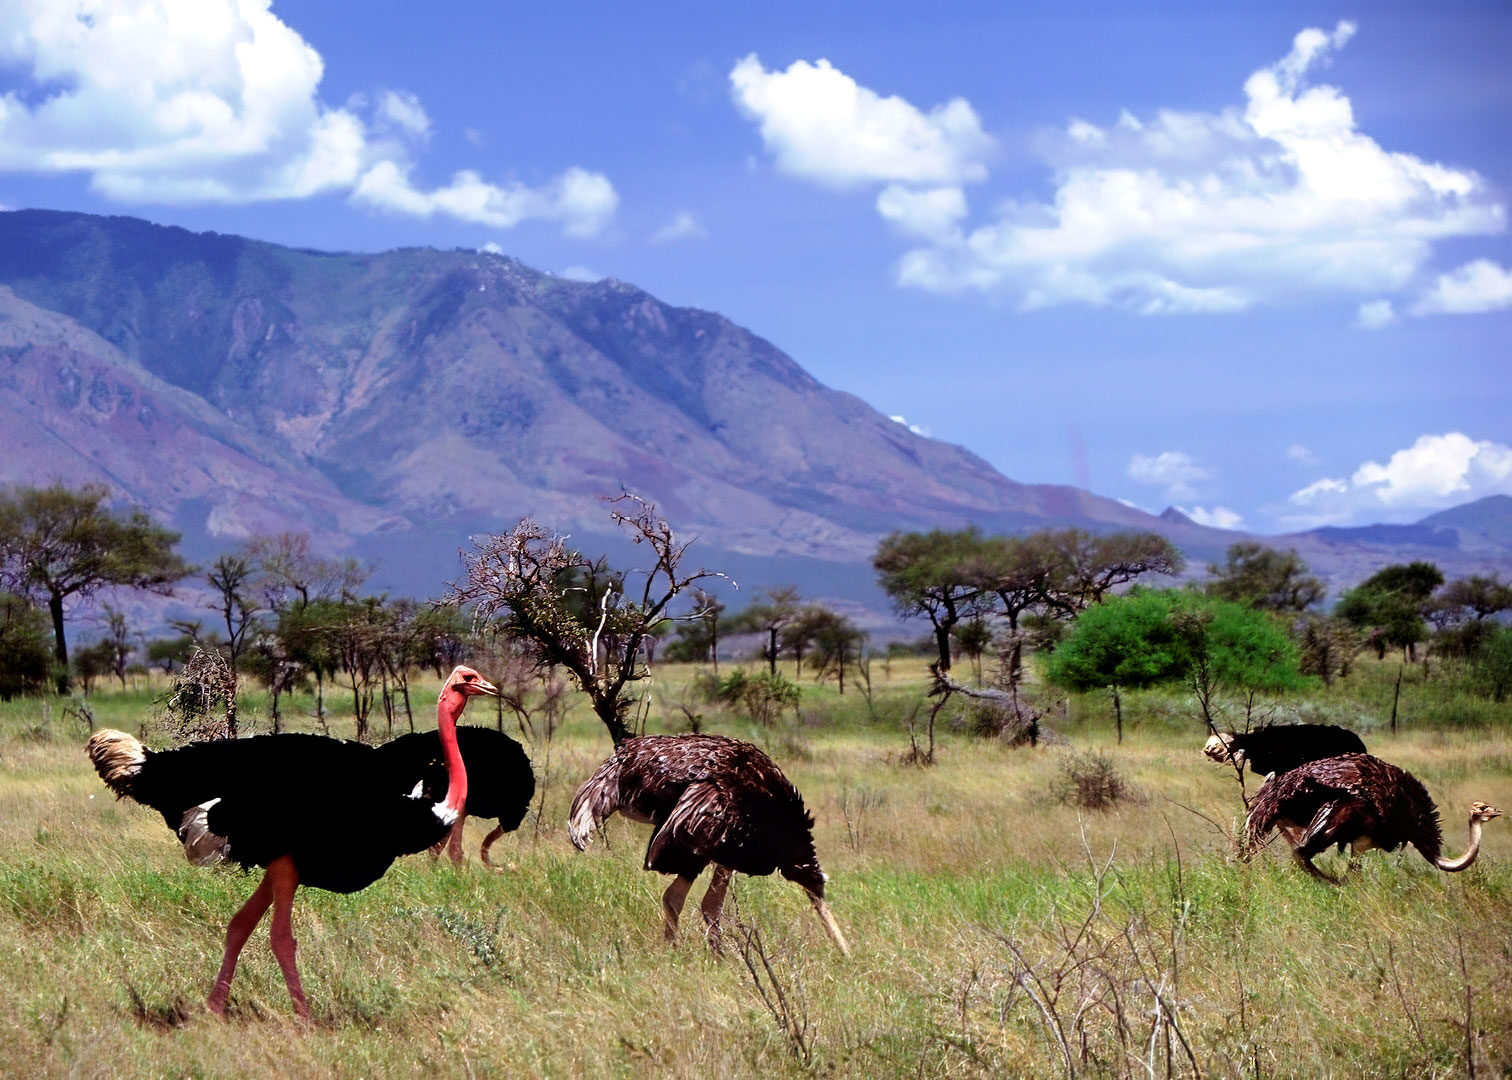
pixel 393 404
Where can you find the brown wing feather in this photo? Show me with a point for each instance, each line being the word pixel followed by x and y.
pixel 1390 805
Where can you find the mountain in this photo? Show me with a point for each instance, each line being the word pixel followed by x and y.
pixel 394 403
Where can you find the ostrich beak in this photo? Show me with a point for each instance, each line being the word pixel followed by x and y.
pixel 830 926
pixel 483 686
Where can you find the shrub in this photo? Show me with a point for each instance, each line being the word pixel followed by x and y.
pixel 1089 780
pixel 761 697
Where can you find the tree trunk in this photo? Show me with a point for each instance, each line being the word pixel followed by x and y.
pixel 1118 715
pixel 60 646
pixel 1395 696
pixel 772 649
pixel 942 642
pixel 604 709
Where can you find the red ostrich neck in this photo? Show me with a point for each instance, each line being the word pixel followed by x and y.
pixel 448 712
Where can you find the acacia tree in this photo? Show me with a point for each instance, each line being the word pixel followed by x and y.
pixel 57 543
pixel 1094 564
pixel 233 579
pixel 1390 604
pixel 1264 578
pixel 937 574
pixel 574 612
pixel 118 638
pixel 837 647
pixel 24 647
pixel 770 616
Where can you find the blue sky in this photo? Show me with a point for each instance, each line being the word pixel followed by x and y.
pixel 1252 263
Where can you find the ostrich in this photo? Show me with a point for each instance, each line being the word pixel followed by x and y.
pixel 1280 748
pixel 270 801
pixel 1361 801
pixel 710 799
pixel 500 782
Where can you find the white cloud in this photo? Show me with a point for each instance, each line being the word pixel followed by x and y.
pixel 915 428
pixel 685 226
pixel 930 213
pixel 491 248
pixel 195 101
pixel 1474 288
pixel 1434 472
pixel 404 111
pixel 1173 470
pixel 474 136
pixel 1266 200
pixel 582 201
pixel 1375 315
pixel 1219 517
pixel 581 273
pixel 820 124
pixel 1301 454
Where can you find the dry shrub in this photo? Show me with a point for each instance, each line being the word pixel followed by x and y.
pixel 1089 780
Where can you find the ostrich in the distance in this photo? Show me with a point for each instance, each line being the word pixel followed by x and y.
pixel 709 799
pixel 1361 801
pixel 500 781
pixel 312 810
pixel 1280 748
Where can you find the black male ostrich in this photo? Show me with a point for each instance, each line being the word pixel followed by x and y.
pixel 500 781
pixel 710 799
pixel 1361 801
pixel 277 801
pixel 1279 748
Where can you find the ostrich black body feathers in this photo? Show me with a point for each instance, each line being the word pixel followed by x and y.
pixel 1279 748
pixel 332 805
pixel 500 780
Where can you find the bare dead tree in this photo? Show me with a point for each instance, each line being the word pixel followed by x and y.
pixel 201 703
pixel 576 613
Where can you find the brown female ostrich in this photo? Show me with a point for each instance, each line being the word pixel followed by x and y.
pixel 709 800
pixel 1361 801
pixel 312 810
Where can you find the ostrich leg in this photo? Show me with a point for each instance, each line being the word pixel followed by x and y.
pixel 1317 839
pixel 672 905
pixel 454 841
pixel 240 929
pixel 713 905
pixel 488 842
pixel 285 880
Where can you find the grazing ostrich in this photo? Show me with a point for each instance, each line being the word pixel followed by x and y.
pixel 312 810
pixel 710 799
pixel 1361 801
pixel 500 781
pixel 1280 748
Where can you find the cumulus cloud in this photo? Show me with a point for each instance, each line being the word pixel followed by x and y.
pixel 582 273
pixel 818 123
pixel 1301 454
pixel 1219 517
pixel 1476 287
pixel 1375 315
pixel 1271 198
pixel 1436 471
pixel 1173 470
pixel 915 428
pixel 685 226
pixel 196 101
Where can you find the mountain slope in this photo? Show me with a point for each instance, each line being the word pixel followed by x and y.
pixel 466 389
pixel 397 402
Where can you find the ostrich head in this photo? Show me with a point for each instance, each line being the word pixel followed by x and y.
pixel 467 682
pixel 1483 812
pixel 1217 749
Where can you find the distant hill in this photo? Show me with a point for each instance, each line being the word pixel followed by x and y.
pixel 393 404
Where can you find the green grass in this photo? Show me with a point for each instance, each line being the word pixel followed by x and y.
pixel 941 878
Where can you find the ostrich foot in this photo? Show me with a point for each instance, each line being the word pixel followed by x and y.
pixel 1307 865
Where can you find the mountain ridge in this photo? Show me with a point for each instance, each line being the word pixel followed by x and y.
pixel 424 394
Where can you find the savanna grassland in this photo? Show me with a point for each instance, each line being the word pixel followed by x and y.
pixel 995 929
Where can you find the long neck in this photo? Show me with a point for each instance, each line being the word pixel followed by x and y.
pixel 448 711
pixel 1468 857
